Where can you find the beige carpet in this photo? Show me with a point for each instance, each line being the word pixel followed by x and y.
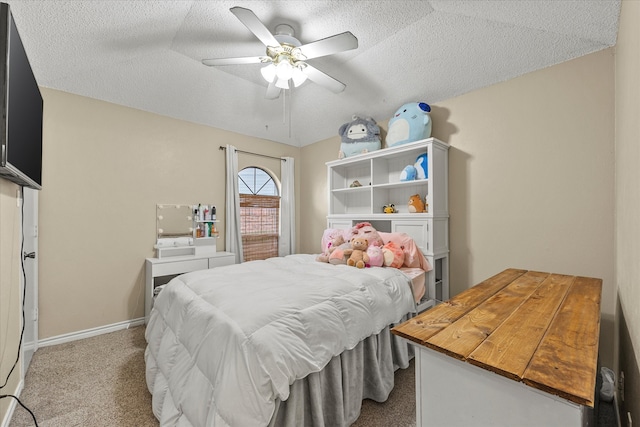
pixel 100 382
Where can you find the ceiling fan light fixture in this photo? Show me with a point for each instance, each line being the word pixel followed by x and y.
pixel 268 72
pixel 284 69
pixel 298 76
pixel 285 55
pixel 282 83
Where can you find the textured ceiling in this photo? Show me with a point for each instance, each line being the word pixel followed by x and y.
pixel 146 54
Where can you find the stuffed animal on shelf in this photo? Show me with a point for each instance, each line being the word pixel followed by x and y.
pixel 390 208
pixel 409 173
pixel 411 122
pixel 416 205
pixel 334 243
pixel 360 135
pixel 366 230
pixel 422 171
pixel 358 253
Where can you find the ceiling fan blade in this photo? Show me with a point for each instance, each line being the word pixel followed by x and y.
pixel 273 91
pixel 233 61
pixel 323 79
pixel 251 21
pixel 334 44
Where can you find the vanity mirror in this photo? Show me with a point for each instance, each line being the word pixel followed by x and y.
pixel 181 232
pixel 174 226
pixel 174 221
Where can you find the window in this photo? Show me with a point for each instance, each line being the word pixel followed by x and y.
pixel 259 214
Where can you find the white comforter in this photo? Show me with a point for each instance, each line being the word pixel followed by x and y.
pixel 223 344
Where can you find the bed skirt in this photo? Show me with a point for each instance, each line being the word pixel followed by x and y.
pixel 333 396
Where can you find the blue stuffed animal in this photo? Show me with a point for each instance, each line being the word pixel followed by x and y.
pixel 359 136
pixel 410 123
pixel 422 171
pixel 419 170
pixel 409 173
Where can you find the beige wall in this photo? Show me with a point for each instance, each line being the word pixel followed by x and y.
pixel 105 169
pixel 628 202
pixel 10 291
pixel 531 170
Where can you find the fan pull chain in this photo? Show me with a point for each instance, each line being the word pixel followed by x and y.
pixel 284 106
pixel 290 96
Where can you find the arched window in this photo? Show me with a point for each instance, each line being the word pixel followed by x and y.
pixel 259 213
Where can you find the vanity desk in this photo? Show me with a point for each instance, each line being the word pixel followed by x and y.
pixel 186 241
pixel 168 266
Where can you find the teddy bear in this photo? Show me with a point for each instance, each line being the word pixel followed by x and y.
pixel 411 122
pixel 333 244
pixel 358 253
pixel 360 135
pixel 416 205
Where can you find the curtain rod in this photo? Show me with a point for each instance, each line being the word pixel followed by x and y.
pixel 253 154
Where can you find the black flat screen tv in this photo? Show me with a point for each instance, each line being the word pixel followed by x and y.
pixel 21 107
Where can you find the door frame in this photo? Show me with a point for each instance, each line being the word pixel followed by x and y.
pixel 30 265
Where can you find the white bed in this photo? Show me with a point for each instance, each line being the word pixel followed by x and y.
pixel 285 341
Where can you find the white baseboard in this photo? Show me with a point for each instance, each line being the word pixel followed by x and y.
pixel 87 333
pixel 12 405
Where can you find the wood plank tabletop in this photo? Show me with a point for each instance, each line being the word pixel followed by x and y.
pixel 538 328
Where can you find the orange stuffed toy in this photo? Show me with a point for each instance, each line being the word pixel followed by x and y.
pixel 393 255
pixel 416 205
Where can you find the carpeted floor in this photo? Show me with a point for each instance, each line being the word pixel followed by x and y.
pixel 100 382
pixel 94 382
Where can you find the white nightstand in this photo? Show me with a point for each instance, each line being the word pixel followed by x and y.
pixel 158 267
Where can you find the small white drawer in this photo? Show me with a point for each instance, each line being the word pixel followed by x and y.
pixel 222 260
pixel 178 267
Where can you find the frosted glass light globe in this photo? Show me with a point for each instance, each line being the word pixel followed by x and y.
pixel 268 72
pixel 284 70
pixel 298 77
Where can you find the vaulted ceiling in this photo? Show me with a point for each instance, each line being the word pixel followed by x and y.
pixel 147 54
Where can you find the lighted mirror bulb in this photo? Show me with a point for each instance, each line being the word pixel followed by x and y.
pixel 282 83
pixel 268 72
pixel 298 77
pixel 284 70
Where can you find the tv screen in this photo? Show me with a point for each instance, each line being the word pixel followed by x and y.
pixel 21 106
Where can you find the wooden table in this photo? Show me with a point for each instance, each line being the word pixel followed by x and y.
pixel 538 332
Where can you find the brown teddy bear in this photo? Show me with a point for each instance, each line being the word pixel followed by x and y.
pixel 358 253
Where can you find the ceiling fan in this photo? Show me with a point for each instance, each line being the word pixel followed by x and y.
pixel 286 57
